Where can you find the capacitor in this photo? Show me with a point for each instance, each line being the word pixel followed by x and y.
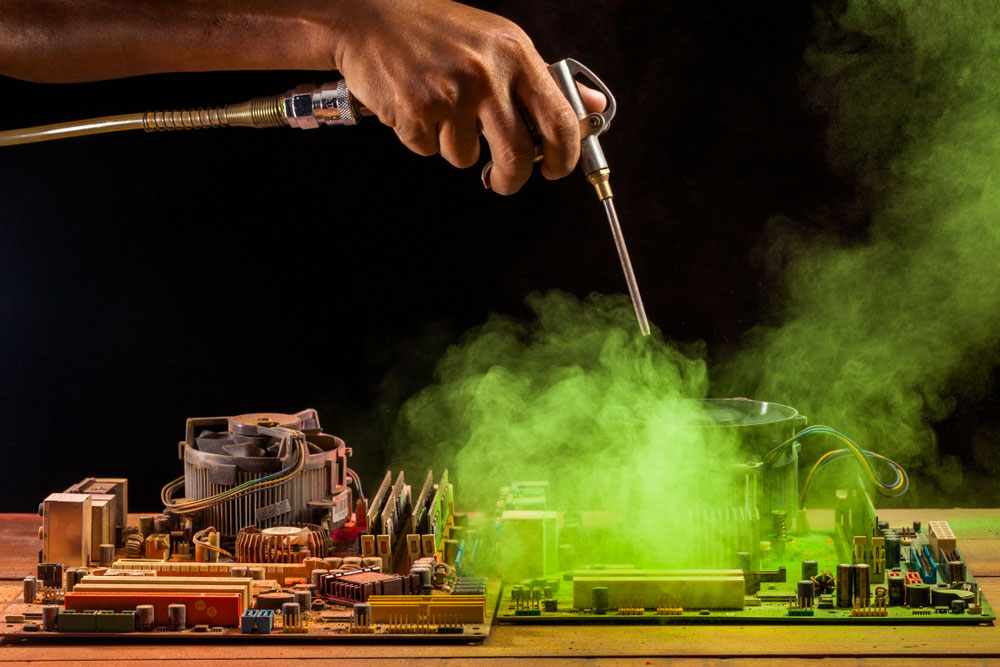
pixel 845 585
pixel 255 573
pixel 425 575
pixel 107 554
pixel 30 590
pixel 862 584
pixel 50 617
pixel 599 599
pixel 893 548
pixel 146 526
pixel 550 605
pixel 317 578
pixel 70 579
pixel 897 591
pixel 352 562
pixel 238 571
pixel 292 614
pixel 362 614
pixel 805 592
pixel 810 568
pixel 303 598
pixel 176 617
pixel 918 595
pixel 958 606
pixel 145 617
pixel 332 563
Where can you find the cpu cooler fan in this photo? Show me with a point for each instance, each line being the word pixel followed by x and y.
pixel 262 470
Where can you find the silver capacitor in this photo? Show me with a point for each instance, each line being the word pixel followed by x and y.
pixel 145 618
pixel 176 617
pixel 30 589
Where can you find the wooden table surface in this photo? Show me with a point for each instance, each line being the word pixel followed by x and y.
pixel 979 540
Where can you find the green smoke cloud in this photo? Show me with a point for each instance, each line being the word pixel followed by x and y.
pixel 580 399
pixel 879 338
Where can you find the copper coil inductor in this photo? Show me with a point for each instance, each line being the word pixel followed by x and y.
pixel 281 544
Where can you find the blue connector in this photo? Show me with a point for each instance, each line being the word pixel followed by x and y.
pixel 257 621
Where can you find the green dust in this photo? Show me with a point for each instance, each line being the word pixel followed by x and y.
pixel 577 398
pixel 881 338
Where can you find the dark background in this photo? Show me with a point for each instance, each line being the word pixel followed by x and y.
pixel 145 279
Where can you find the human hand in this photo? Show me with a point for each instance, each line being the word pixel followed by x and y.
pixel 439 72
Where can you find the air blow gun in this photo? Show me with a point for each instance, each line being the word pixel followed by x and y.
pixel 309 106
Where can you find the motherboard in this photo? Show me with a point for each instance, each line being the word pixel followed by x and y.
pixel 269 536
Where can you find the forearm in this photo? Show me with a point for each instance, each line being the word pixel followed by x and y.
pixel 61 41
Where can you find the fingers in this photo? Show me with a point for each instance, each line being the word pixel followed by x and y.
pixel 554 120
pixel 510 147
pixel 593 100
pixel 458 139
pixel 417 135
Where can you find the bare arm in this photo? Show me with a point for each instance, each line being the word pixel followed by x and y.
pixel 435 71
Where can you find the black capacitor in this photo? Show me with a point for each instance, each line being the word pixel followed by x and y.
pixel 893 548
pixel 599 599
pixel 958 606
pixel 862 584
pixel 50 617
pixel 810 568
pixel 918 595
pixel 303 598
pixel 897 591
pixel 845 585
pixel 805 592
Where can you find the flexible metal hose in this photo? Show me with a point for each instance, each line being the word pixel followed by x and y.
pixel 259 112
